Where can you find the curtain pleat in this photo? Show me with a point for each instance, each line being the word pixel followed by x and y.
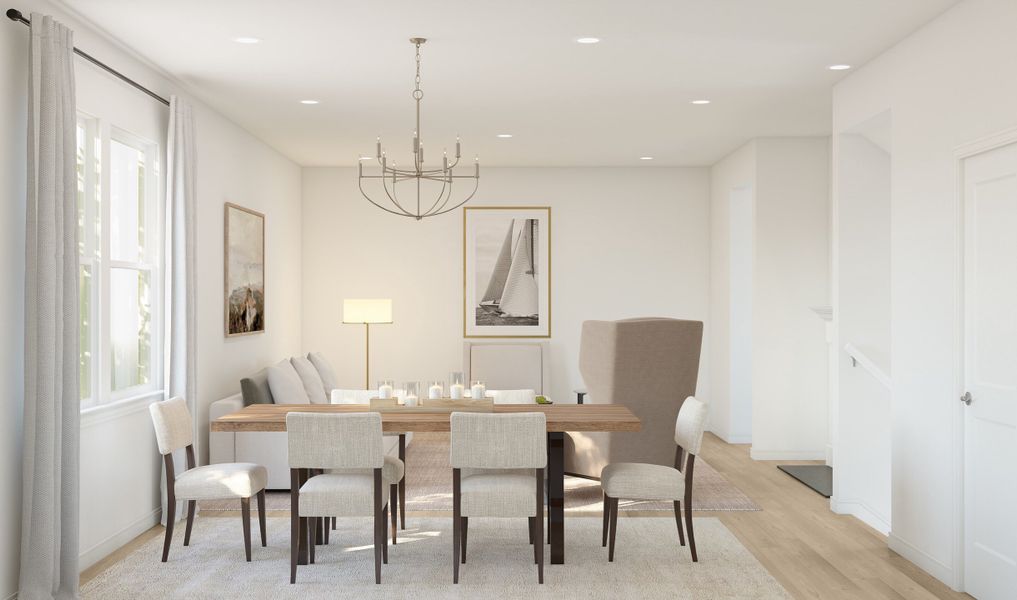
pixel 49 534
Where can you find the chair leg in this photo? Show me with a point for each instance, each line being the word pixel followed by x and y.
pixel 171 516
pixel 245 516
pixel 466 527
pixel 532 527
pixel 678 521
pixel 294 522
pixel 688 525
pixel 333 523
pixel 607 516
pixel 379 524
pixel 540 519
pixel 325 531
pixel 614 529
pixel 393 493
pixel 456 525
pixel 261 518
pixel 384 537
pixel 312 538
pixel 190 521
pixel 402 482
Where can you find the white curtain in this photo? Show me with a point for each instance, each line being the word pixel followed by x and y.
pixel 49 526
pixel 181 356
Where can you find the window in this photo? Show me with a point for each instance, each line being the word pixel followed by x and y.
pixel 119 225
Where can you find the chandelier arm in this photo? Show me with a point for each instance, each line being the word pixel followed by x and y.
pixel 444 185
pixel 444 202
pixel 468 198
pixel 394 197
pixel 388 210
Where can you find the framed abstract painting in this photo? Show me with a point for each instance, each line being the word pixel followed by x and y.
pixel 244 266
pixel 507 271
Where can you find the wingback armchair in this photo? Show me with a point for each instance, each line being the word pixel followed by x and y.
pixel 650 365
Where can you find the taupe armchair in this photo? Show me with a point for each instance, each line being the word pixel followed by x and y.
pixel 650 365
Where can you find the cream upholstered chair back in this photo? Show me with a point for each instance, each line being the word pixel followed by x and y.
pixel 691 423
pixel 499 441
pixel 334 441
pixel 512 396
pixel 650 365
pixel 505 365
pixel 173 424
pixel 341 396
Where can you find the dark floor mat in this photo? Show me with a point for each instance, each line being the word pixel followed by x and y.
pixel 817 477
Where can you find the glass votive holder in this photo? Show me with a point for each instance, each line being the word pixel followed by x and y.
pixel 386 389
pixel 456 385
pixel 477 389
pixel 435 390
pixel 411 390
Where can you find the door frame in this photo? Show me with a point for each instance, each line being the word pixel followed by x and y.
pixel 963 152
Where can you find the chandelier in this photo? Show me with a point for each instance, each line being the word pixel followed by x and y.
pixel 416 205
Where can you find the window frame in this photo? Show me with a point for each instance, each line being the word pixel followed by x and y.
pixel 97 256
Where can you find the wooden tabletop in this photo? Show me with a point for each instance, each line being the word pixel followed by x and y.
pixel 560 417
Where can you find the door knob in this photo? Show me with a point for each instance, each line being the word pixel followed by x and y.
pixel 966 398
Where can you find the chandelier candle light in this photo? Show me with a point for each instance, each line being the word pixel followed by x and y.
pixel 439 204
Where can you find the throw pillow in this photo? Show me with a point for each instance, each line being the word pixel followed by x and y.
pixel 310 379
pixel 285 384
pixel 325 370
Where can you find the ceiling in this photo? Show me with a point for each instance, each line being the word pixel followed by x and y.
pixel 495 67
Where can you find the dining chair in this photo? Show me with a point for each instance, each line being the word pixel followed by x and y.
pixel 351 445
pixel 347 396
pixel 498 465
pixel 642 481
pixel 512 396
pixel 173 431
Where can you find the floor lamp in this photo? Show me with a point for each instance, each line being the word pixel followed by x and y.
pixel 367 312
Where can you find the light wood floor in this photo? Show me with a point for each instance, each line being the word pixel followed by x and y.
pixel 811 551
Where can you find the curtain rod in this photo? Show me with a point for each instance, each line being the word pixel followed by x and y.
pixel 15 15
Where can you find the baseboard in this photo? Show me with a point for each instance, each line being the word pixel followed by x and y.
pixel 829 455
pixel 863 512
pixel 924 561
pixel 787 454
pixel 119 539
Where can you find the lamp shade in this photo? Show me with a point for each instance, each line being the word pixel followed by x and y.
pixel 369 310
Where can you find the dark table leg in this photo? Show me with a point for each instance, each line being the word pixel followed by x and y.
pixel 402 482
pixel 556 495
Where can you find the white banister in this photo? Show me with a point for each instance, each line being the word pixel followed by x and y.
pixel 859 358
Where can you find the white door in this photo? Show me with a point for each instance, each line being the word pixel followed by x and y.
pixel 990 422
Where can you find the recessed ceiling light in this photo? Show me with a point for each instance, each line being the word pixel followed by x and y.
pixel 308 101
pixel 645 158
pixel 504 135
pixel 839 67
pixel 247 40
pixel 587 40
pixel 700 102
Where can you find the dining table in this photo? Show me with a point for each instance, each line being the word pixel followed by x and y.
pixel 561 418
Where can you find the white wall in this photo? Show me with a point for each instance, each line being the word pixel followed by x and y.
pixel 784 352
pixel 862 309
pixel 119 461
pixel 729 419
pixel 949 83
pixel 626 242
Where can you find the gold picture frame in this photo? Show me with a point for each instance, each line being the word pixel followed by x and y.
pixel 243 271
pixel 507 252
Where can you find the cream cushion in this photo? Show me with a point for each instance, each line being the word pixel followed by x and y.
pixel 229 480
pixel 499 494
pixel 339 495
pixel 642 481
pixel 310 379
pixel 391 472
pixel 325 371
pixel 285 384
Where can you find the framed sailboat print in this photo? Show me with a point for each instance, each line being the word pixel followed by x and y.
pixel 506 271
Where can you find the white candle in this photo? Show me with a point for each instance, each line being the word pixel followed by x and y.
pixel 410 400
pixel 434 392
pixel 456 391
pixel 477 391
pixel 385 392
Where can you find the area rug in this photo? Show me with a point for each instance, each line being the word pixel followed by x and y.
pixel 429 486
pixel 649 563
